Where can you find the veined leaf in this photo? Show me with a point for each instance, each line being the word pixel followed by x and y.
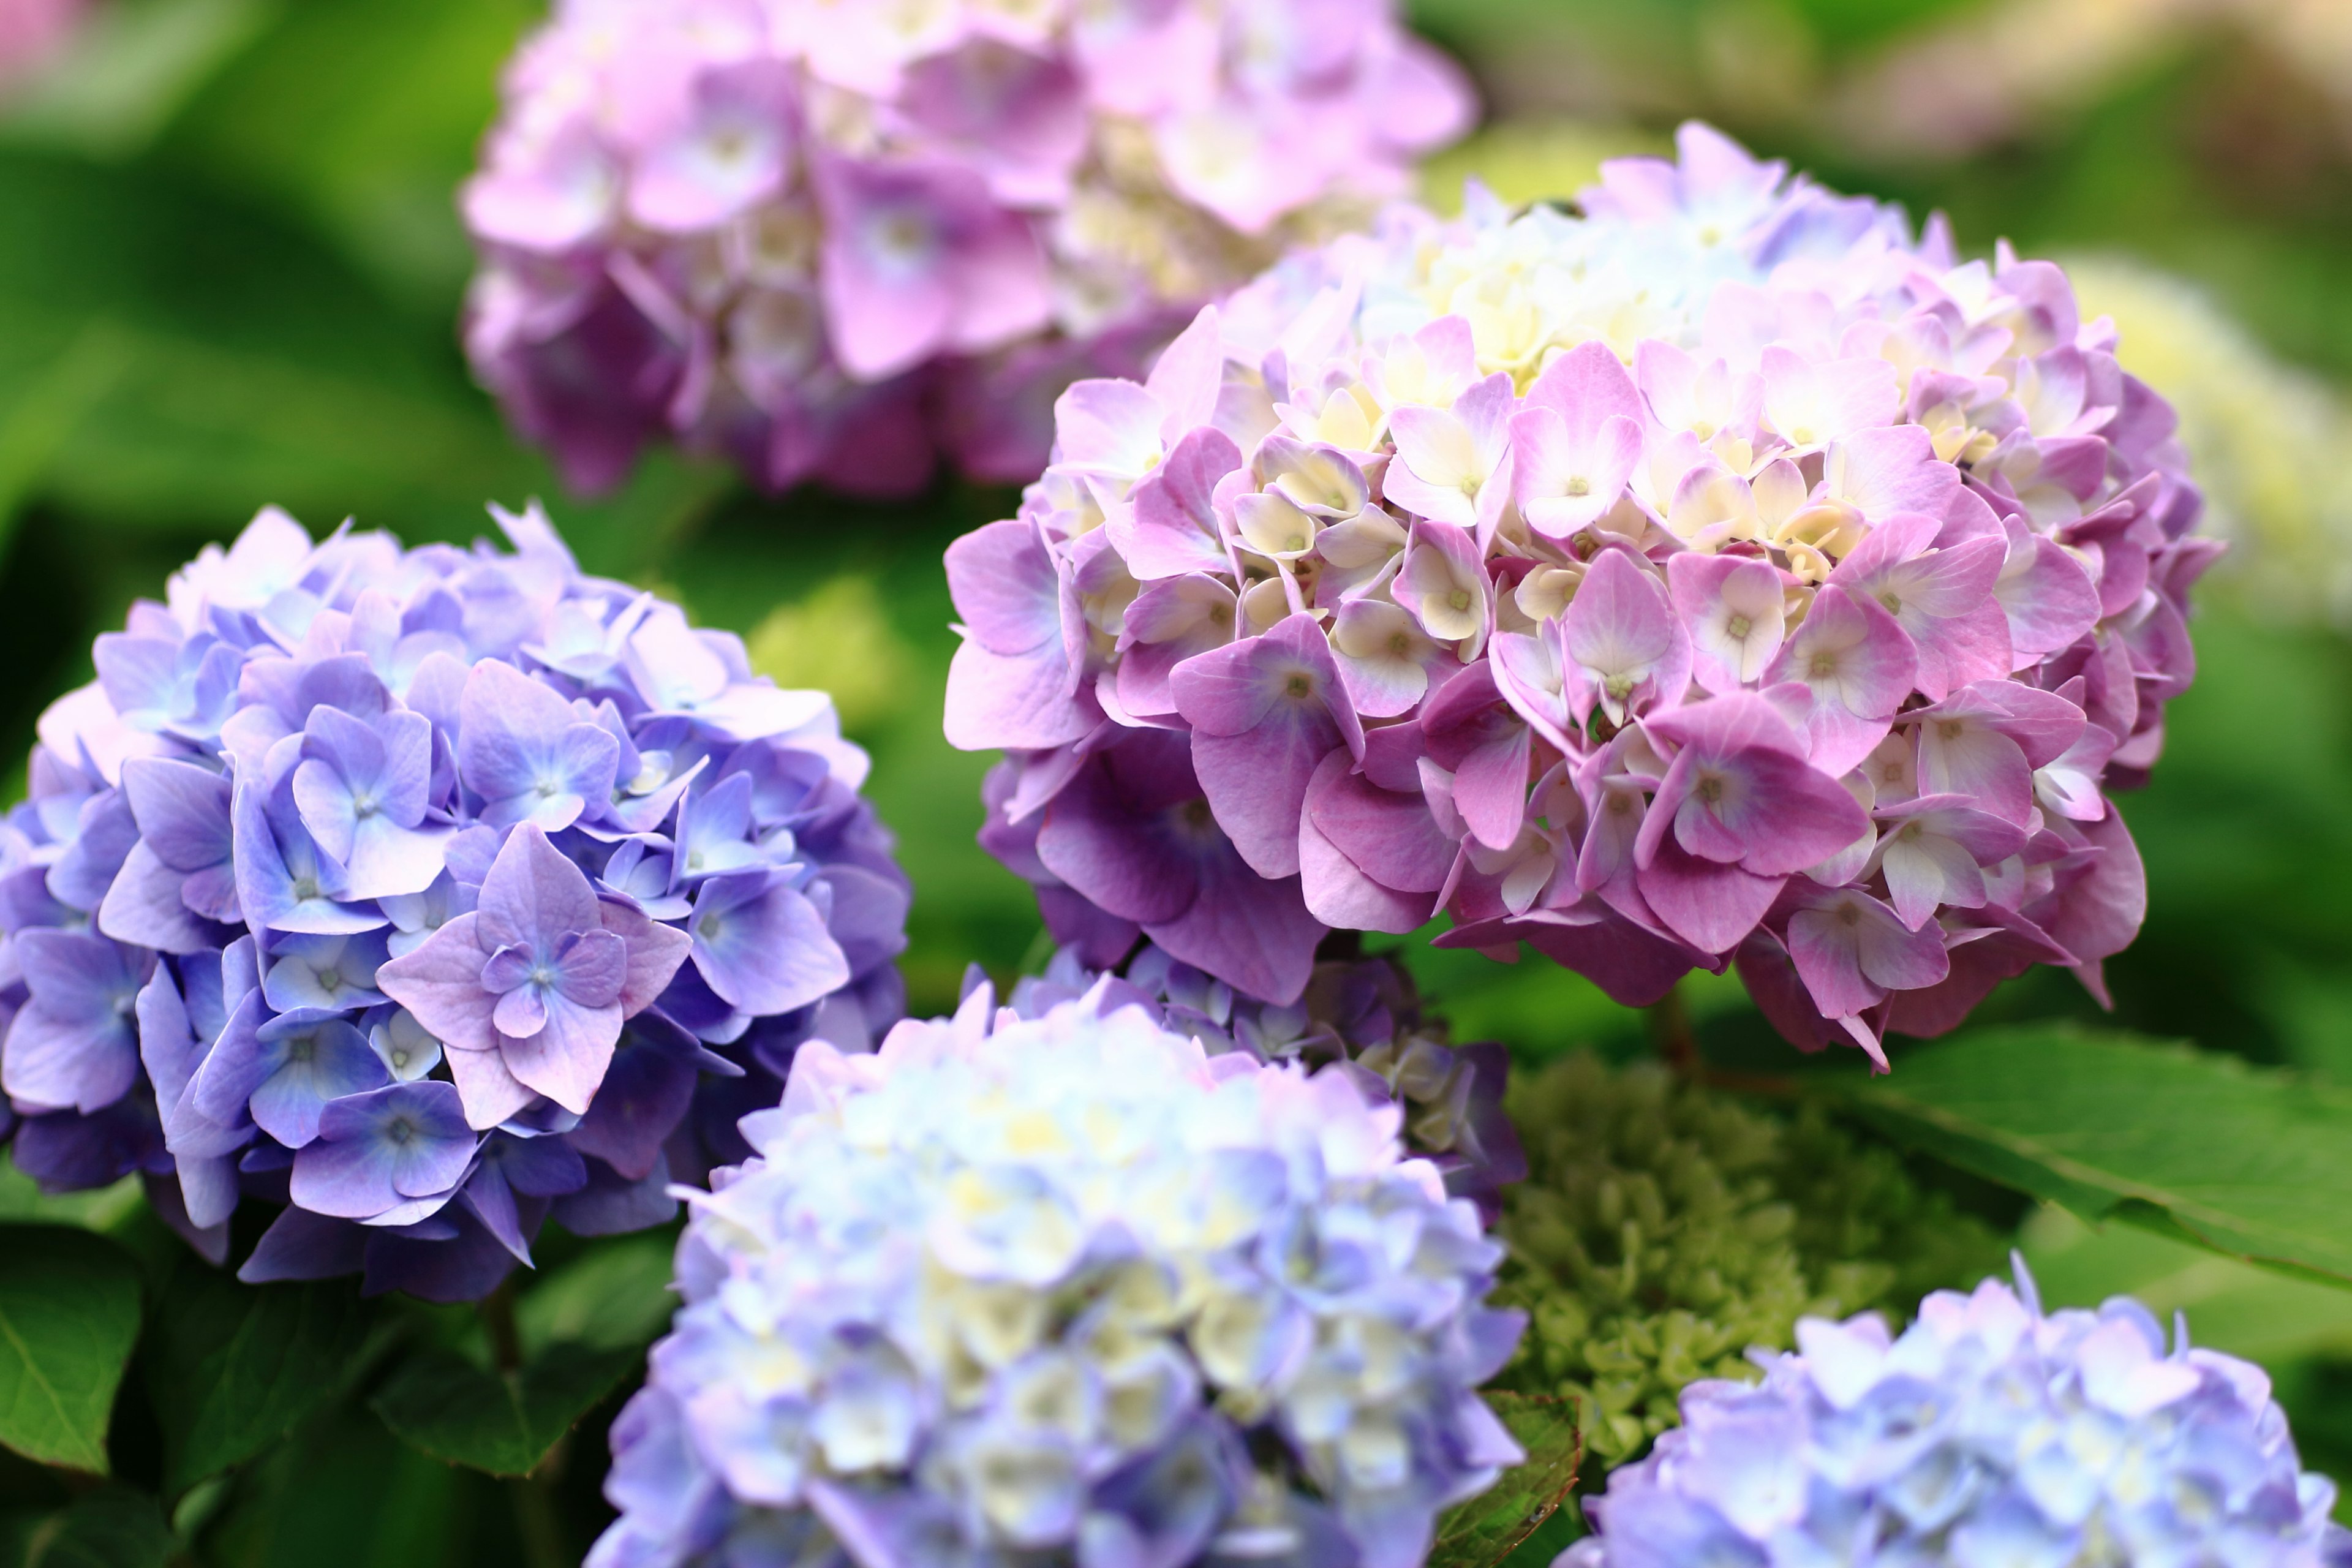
pixel 233 1367
pixel 504 1423
pixel 68 1319
pixel 2250 1162
pixel 1483 1531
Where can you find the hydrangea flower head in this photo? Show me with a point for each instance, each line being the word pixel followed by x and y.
pixel 1986 1432
pixel 1724 574
pixel 829 238
pixel 1068 1285
pixel 418 891
pixel 1361 1016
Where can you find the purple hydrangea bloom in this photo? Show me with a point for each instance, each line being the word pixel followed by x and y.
pixel 828 241
pixel 1724 574
pixel 1988 1432
pixel 1066 1286
pixel 430 893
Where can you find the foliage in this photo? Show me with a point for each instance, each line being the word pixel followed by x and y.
pixel 68 1313
pixel 2249 1163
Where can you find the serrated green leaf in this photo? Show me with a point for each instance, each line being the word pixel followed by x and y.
pixel 1483 1531
pixel 68 1319
pixel 114 1527
pixel 505 1423
pixel 232 1368
pixel 2249 1162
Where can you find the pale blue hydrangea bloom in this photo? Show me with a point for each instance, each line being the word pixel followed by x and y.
pixel 1988 1434
pixel 1065 1284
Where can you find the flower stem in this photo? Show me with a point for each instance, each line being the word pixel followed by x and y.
pixel 1671 1033
pixel 533 1495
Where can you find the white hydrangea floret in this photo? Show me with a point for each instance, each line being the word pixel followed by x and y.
pixel 1067 1283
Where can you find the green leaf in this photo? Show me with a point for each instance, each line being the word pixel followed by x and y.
pixel 168 360
pixel 2245 1161
pixel 114 1527
pixel 233 1367
pixel 614 1296
pixel 68 1319
pixel 504 1423
pixel 1483 1531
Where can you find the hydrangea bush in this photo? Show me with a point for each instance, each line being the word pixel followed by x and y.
pixel 1664 1229
pixel 1988 1432
pixel 1065 1285
pixel 418 891
pixel 827 239
pixel 1722 572
pixel 1363 1015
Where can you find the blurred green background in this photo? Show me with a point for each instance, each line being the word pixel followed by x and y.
pixel 230 270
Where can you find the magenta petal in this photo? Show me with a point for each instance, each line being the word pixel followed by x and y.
pixel 1256 784
pixel 1389 834
pixel 1898 958
pixel 1265 712
pixel 1490 788
pixel 1779 993
pixel 1889 470
pixel 2099 915
pixel 1635 968
pixel 1173 528
pixel 2046 596
pixel 1709 905
pixel 1337 891
pixel 1826 945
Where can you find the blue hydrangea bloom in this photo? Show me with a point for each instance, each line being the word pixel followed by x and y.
pixel 1065 1289
pixel 1988 1434
pixel 431 893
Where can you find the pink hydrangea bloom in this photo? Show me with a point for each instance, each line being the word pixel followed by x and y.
pixel 1725 575
pixel 829 238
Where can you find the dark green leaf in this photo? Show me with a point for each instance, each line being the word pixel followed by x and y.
pixel 68 1319
pixel 614 1296
pixel 114 1527
pixel 232 1367
pixel 2251 1163
pixel 503 1423
pixel 1482 1532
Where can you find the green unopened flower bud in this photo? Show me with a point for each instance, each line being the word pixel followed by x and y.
pixel 1664 1228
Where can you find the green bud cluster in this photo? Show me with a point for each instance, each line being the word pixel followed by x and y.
pixel 1664 1229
